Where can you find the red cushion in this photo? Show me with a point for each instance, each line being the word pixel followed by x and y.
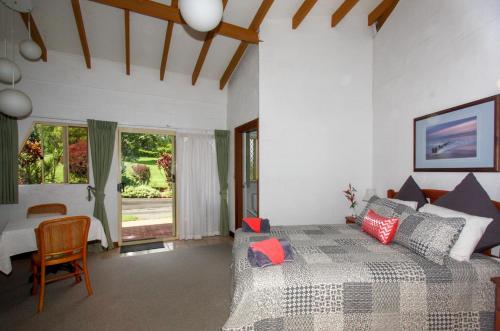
pixel 380 227
pixel 254 223
pixel 271 248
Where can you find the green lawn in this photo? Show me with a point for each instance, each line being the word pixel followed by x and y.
pixel 59 175
pixel 129 218
pixel 157 176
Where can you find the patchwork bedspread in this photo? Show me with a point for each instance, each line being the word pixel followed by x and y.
pixel 343 279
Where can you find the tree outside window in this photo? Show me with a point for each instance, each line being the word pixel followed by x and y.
pixel 54 154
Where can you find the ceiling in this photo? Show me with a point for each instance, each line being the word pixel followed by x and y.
pixel 104 27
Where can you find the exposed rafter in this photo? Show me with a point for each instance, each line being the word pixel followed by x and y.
pixel 343 9
pixel 204 51
pixel 254 26
pixel 233 64
pixel 383 18
pixel 376 14
pixel 302 12
pixel 166 44
pixel 169 13
pixel 81 31
pixel 126 16
pixel 35 34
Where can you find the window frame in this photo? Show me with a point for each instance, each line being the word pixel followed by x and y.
pixel 65 127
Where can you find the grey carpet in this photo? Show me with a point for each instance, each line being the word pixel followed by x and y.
pixel 184 289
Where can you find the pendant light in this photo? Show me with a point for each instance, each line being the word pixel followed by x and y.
pixel 201 15
pixel 13 102
pixel 29 49
pixel 22 6
pixel 7 67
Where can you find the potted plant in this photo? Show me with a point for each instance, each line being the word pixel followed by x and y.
pixel 350 194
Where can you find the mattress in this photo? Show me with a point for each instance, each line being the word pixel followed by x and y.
pixel 343 279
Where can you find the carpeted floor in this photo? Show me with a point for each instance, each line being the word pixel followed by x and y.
pixel 184 289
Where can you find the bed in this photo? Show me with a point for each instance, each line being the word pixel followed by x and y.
pixel 342 278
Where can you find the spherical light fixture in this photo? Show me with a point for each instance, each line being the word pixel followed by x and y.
pixel 7 68
pixel 22 6
pixel 30 50
pixel 15 103
pixel 201 15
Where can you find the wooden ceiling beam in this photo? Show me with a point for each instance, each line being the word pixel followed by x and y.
pixel 81 31
pixel 383 18
pixel 35 33
pixel 343 10
pixel 166 44
pixel 255 25
pixel 126 16
pixel 302 12
pixel 233 64
pixel 169 13
pixel 382 7
pixel 209 37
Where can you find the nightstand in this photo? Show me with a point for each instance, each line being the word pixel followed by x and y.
pixel 350 220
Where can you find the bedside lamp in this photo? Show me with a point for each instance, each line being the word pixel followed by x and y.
pixel 370 192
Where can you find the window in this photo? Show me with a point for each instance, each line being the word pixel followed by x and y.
pixel 55 154
pixel 252 157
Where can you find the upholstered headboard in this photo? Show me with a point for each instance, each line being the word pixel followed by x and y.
pixel 433 195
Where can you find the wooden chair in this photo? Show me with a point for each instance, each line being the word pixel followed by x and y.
pixel 48 208
pixel 62 240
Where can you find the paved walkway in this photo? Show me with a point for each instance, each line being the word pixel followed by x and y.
pixel 148 211
pixel 154 218
pixel 147 232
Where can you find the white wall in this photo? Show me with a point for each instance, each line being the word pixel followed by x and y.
pixel 315 116
pixel 64 89
pixel 242 107
pixel 430 55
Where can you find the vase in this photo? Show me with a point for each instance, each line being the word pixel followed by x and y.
pixel 353 211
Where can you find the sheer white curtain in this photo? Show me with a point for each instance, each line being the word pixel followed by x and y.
pixel 197 185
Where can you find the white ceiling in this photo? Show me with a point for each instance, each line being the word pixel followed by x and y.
pixel 104 26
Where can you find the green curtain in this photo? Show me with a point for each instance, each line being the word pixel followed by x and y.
pixel 102 142
pixel 222 148
pixel 8 160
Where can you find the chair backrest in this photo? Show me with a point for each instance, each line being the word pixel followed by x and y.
pixel 48 208
pixel 66 235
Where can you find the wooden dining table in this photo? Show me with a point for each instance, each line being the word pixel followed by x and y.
pixel 19 237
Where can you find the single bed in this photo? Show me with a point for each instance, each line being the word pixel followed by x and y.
pixel 344 279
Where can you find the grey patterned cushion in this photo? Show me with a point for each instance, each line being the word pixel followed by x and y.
pixel 429 235
pixel 386 208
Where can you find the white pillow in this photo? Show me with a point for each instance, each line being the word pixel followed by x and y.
pixel 472 232
pixel 411 204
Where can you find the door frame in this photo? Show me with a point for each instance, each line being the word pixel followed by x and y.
pixel 238 168
pixel 119 200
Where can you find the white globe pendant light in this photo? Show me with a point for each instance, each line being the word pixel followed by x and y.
pixel 7 69
pixel 201 15
pixel 22 6
pixel 28 48
pixel 15 103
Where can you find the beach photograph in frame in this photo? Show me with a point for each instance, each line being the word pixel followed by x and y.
pixel 462 138
pixel 452 140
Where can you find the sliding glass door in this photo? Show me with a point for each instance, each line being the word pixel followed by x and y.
pixel 147 186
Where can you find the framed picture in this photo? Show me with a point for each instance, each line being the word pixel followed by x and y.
pixel 463 138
